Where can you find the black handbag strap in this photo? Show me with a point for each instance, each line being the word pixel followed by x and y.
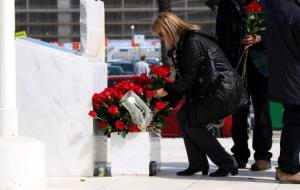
pixel 209 77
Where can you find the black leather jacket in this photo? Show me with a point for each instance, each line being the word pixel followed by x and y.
pixel 188 58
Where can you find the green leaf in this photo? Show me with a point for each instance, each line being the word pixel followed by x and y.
pixel 123 134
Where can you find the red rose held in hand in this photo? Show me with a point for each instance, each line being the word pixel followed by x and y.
pixel 113 110
pixel 119 125
pixel 149 94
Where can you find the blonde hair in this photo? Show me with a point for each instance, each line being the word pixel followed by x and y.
pixel 171 27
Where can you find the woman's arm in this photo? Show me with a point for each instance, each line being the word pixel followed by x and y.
pixel 191 61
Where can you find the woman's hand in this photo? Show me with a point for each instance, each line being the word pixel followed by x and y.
pixel 250 40
pixel 160 93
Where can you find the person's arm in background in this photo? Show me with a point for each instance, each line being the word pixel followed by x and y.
pixel 147 69
pixel 259 40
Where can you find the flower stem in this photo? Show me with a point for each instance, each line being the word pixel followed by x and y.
pixel 240 60
pixel 244 73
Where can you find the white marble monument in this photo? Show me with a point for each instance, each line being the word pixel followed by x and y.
pixel 54 98
pixel 54 90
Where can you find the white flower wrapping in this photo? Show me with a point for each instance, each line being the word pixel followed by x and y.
pixel 140 113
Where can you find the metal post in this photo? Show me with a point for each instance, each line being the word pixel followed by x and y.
pixel 132 31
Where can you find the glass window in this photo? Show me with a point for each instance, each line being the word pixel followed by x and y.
pixel 75 3
pixel 75 30
pixel 43 17
pixel 42 3
pixel 20 3
pixel 21 17
pixel 43 30
pixel 201 16
pixel 178 3
pixel 195 3
pixel 75 17
pixel 139 16
pixel 113 17
pixel 113 29
pixel 21 28
pixel 138 3
pixel 113 3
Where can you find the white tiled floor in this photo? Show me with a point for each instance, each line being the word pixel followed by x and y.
pixel 174 159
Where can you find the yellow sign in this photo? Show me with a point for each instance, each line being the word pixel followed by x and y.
pixel 21 34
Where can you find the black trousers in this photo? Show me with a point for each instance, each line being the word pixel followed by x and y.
pixel 262 130
pixel 288 160
pixel 200 143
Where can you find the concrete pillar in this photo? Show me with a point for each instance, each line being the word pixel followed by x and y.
pixel 8 111
pixel 22 160
pixel 92 24
pixel 65 29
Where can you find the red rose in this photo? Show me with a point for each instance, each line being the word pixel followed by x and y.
pixel 258 9
pixel 164 71
pixel 119 125
pixel 160 105
pixel 138 90
pixel 102 124
pixel 106 93
pixel 168 80
pixel 93 114
pixel 96 98
pixel 154 69
pixel 119 96
pixel 253 7
pixel 133 128
pixel 113 110
pixel 97 105
pixel 149 94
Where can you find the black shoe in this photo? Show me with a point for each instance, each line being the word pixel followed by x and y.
pixel 222 172
pixel 192 171
pixel 261 165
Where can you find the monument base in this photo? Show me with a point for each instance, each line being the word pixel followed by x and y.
pixel 136 154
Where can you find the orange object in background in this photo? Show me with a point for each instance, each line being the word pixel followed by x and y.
pixel 133 44
pixel 76 46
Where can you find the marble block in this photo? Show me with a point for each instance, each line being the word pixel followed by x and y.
pixel 137 154
pixel 54 90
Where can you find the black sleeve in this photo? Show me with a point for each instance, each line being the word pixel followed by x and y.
pixel 173 99
pixel 295 28
pixel 221 22
pixel 191 61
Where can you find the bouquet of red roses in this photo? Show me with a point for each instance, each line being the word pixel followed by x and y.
pixel 253 25
pixel 114 117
